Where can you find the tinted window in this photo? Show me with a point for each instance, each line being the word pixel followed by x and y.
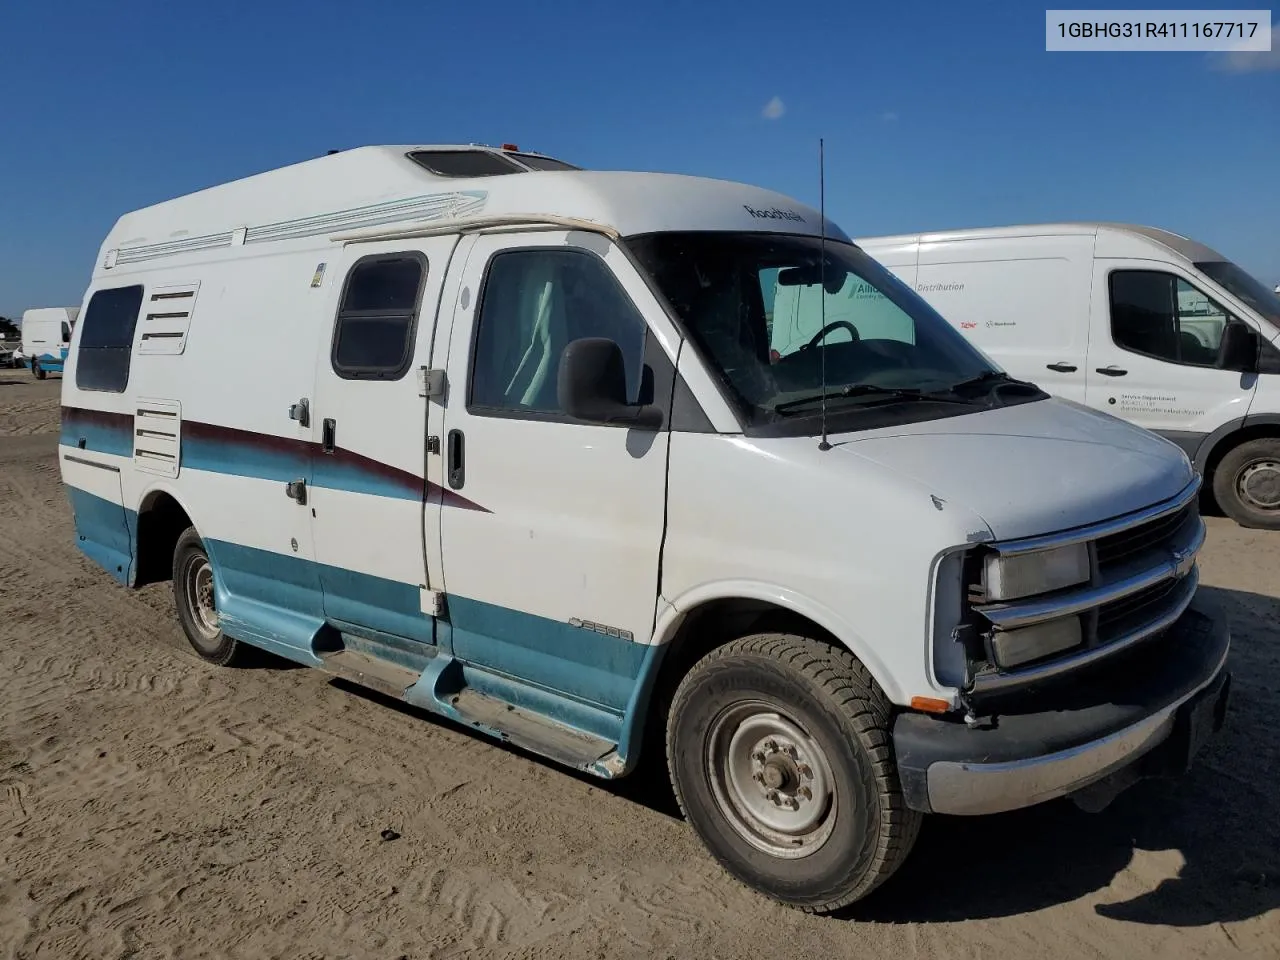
pixel 534 303
pixel 106 343
pixel 1163 316
pixel 543 163
pixel 464 163
pixel 373 335
pixel 66 332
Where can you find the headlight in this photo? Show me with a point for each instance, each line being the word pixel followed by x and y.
pixel 1027 574
pixel 1013 648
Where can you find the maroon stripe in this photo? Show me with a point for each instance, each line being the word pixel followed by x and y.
pixel 100 418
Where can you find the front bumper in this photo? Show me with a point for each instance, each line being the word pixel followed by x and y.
pixel 1140 716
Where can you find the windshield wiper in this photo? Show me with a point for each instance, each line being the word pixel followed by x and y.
pixel 890 394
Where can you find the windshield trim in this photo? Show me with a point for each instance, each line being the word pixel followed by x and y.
pixel 842 419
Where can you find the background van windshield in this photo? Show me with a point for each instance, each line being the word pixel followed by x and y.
pixel 1235 280
pixel 754 304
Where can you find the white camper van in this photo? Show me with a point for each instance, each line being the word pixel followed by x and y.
pixel 46 338
pixel 510 446
pixel 1134 321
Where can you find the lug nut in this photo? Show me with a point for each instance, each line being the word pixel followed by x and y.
pixel 758 756
pixel 793 803
pixel 805 793
pixel 774 798
pixel 771 746
pixel 758 777
pixel 791 751
pixel 805 771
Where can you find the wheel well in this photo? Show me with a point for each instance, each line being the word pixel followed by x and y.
pixel 160 523
pixel 712 625
pixel 1231 441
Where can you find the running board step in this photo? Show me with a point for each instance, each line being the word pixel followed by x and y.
pixel 369 671
pixel 529 730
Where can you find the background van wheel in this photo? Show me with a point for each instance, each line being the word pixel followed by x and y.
pixel 780 757
pixel 1246 484
pixel 37 372
pixel 194 597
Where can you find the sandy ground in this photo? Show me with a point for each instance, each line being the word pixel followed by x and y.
pixel 152 806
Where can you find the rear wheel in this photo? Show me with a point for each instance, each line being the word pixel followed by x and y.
pixel 36 371
pixel 1246 484
pixel 780 756
pixel 195 598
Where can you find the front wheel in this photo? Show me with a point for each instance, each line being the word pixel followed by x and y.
pixel 780 757
pixel 195 598
pixel 1246 484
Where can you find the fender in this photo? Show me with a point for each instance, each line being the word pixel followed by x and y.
pixel 670 618
pixel 1207 445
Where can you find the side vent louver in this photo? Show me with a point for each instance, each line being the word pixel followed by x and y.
pixel 166 318
pixel 157 436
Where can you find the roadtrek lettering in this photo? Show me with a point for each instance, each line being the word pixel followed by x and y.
pixel 774 214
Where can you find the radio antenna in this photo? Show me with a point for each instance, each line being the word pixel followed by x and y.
pixel 822 285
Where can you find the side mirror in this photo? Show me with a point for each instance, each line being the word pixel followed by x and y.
pixel 1239 348
pixel 592 385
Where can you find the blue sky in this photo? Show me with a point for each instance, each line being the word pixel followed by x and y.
pixel 935 116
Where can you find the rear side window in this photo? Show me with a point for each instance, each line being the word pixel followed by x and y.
pixel 106 343
pixel 373 335
pixel 66 332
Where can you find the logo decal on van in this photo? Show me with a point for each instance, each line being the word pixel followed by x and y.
pixel 774 214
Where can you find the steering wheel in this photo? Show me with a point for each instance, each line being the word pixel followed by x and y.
pixel 833 325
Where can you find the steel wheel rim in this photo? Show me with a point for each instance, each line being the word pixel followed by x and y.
pixel 1258 484
pixel 197 584
pixel 771 780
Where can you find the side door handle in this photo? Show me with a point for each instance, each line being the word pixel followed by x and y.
pixel 328 434
pixel 296 490
pixel 1062 367
pixel 1112 371
pixel 456 465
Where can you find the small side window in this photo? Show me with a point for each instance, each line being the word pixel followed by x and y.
pixel 106 344
pixel 373 334
pixel 66 332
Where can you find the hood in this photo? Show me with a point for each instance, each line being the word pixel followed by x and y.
pixel 1033 468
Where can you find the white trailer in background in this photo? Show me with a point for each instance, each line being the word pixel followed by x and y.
pixel 46 338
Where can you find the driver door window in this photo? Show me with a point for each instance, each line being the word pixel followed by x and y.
pixel 1162 316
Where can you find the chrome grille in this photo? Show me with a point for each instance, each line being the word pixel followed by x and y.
pixel 1143 577
pixel 1118 546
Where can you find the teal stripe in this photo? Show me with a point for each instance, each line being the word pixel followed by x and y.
pixel 105 531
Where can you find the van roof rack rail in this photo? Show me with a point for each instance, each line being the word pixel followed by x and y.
pixel 490 224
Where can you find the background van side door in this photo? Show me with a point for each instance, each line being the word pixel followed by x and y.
pixel 1022 301
pixel 552 536
pixel 1154 342
pixel 370 502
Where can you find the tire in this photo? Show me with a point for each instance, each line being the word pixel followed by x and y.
pixel 192 581
pixel 38 373
pixel 1246 484
pixel 828 734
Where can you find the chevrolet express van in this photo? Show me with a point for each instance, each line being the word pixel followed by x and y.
pixel 511 446
pixel 1137 322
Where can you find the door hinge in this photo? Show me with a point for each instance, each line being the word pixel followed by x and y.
pixel 301 411
pixel 431 602
pixel 296 490
pixel 433 444
pixel 430 382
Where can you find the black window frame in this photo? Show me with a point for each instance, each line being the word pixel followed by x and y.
pixel 385 374
pixel 657 372
pixel 1174 277
pixel 423 159
pixel 82 351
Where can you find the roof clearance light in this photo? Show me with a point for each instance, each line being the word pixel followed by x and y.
pixel 510 146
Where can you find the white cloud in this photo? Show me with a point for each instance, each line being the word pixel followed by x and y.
pixel 774 109
pixel 1252 61
pixel 889 116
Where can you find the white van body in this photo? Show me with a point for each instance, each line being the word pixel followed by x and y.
pixel 430 475
pixel 1058 304
pixel 46 338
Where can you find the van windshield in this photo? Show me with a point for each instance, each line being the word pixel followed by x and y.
pixel 1236 281
pixel 768 317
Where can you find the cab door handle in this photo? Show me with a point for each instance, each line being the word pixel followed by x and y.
pixel 1112 371
pixel 328 435
pixel 456 465
pixel 1063 367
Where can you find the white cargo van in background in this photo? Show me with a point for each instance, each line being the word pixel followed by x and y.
pixel 1137 322
pixel 46 338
